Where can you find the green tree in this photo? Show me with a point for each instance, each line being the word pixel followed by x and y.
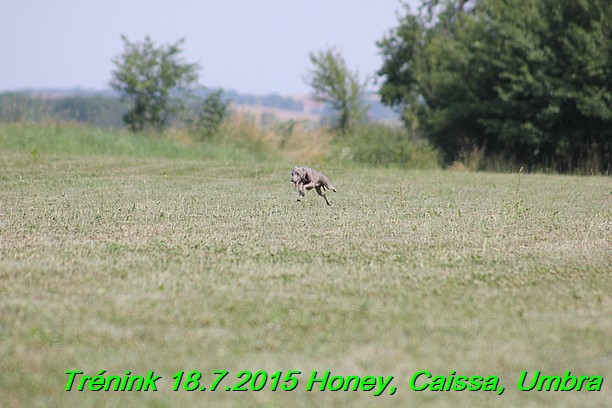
pixel 529 79
pixel 333 83
pixel 555 79
pixel 154 80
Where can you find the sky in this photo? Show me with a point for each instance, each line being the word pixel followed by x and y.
pixel 250 46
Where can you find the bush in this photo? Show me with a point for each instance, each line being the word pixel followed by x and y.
pixel 209 116
pixel 381 145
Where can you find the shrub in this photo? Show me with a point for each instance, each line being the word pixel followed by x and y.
pixel 381 145
pixel 209 116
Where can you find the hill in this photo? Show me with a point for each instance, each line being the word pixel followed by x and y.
pixel 103 107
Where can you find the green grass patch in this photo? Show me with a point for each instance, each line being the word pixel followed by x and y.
pixel 86 141
pixel 147 258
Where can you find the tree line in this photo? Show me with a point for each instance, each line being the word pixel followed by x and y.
pixel 98 110
pixel 527 82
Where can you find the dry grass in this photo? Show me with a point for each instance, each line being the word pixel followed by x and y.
pixel 291 140
pixel 121 263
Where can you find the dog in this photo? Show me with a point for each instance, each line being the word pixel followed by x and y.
pixel 308 178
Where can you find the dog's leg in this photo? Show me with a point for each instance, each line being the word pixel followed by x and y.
pixel 309 186
pixel 328 184
pixel 300 191
pixel 322 194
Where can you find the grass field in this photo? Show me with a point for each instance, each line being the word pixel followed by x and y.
pixel 142 255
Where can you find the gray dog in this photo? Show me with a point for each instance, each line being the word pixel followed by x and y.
pixel 309 178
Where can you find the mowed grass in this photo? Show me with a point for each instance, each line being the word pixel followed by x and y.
pixel 133 261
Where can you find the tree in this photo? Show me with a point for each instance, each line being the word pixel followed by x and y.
pixel 529 80
pixel 154 80
pixel 333 83
pixel 555 84
pixel 209 114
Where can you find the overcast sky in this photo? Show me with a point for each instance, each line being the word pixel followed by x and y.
pixel 252 46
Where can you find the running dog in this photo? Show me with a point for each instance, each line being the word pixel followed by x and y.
pixel 309 178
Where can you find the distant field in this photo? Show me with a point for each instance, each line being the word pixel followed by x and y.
pixel 125 254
